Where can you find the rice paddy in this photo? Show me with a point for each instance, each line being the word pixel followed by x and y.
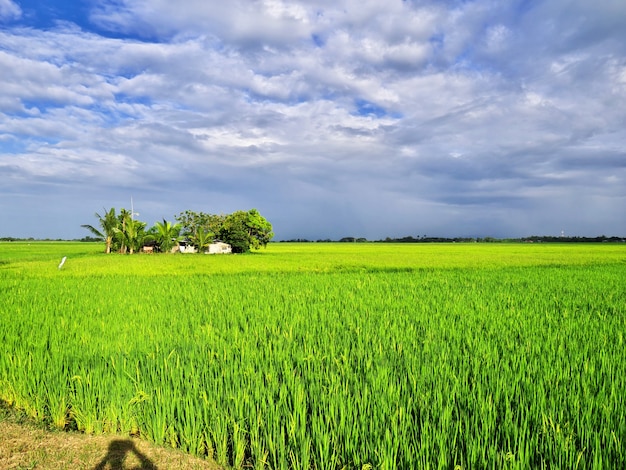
pixel 328 356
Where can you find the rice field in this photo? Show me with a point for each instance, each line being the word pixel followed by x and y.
pixel 328 356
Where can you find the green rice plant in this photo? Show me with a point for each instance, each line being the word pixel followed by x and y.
pixel 329 356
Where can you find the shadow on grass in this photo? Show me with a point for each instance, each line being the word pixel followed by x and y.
pixel 119 449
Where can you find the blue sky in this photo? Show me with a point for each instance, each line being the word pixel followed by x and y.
pixel 332 118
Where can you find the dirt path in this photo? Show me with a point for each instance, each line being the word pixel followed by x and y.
pixel 24 445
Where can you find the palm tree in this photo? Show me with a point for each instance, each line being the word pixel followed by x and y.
pixel 167 235
pixel 132 235
pixel 202 238
pixel 109 223
pixel 125 218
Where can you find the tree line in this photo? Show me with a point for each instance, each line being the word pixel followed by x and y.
pixel 122 233
pixel 425 239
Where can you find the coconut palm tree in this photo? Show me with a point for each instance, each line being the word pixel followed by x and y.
pixel 125 219
pixel 167 235
pixel 109 222
pixel 202 238
pixel 132 235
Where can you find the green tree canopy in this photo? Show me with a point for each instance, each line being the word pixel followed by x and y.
pixel 259 229
pixel 243 230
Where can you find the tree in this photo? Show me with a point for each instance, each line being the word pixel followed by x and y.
pixel 194 222
pixel 131 235
pixel 259 229
pixel 243 230
pixel 202 238
pixel 125 218
pixel 167 235
pixel 234 232
pixel 109 223
pixel 246 230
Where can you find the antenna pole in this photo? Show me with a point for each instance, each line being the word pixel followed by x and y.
pixel 132 209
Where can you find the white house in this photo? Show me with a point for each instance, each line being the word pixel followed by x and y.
pixel 184 247
pixel 217 248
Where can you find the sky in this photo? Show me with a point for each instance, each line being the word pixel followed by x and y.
pixel 333 118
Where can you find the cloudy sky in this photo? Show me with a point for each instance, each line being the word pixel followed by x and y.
pixel 333 118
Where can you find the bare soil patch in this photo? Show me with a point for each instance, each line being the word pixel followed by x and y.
pixel 26 445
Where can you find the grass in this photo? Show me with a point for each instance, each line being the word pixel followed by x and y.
pixel 327 355
pixel 42 258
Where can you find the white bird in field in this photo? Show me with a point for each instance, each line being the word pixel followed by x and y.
pixel 62 262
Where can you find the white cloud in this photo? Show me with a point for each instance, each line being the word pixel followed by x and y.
pixel 438 113
pixel 9 10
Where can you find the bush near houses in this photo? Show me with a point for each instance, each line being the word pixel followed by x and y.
pixel 242 230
